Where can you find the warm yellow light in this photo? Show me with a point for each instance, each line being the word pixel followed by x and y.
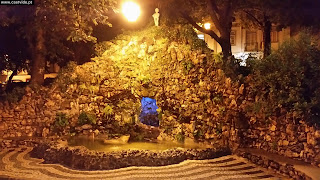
pixel 207 26
pixel 131 11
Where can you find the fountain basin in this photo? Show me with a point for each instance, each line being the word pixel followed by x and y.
pixel 104 146
pixel 82 158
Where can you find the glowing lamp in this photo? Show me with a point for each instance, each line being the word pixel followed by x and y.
pixel 207 26
pixel 131 11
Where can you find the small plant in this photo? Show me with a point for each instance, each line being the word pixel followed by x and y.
pixel 86 118
pixel 108 110
pixel 222 109
pixel 61 120
pixel 180 137
pixel 217 99
pixel 188 65
pixel 197 133
pixel 218 129
pixel 168 129
pixel 139 137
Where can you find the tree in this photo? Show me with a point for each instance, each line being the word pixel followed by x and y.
pixel 262 14
pixel 257 14
pixel 12 52
pixel 219 12
pixel 52 22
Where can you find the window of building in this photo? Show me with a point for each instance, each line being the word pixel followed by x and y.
pixel 233 38
pixel 251 41
pixel 274 35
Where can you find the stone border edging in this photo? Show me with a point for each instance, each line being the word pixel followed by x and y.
pixel 83 159
pixel 263 161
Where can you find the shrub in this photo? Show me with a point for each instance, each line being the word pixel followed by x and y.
pixel 197 133
pixel 15 95
pixel 108 110
pixel 180 137
pixel 289 79
pixel 86 118
pixel 61 120
pixel 230 66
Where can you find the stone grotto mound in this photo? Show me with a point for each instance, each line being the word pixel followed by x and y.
pixel 102 98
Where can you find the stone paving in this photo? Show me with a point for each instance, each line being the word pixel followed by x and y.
pixel 17 164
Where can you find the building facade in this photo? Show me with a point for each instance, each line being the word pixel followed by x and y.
pixel 246 41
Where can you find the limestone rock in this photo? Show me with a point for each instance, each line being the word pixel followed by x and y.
pixel 317 157
pixel 66 105
pixel 30 134
pixel 285 142
pixel 302 137
pixel 3 126
pixel 45 132
pixel 317 134
pixel 86 126
pixel 272 128
pixel 96 132
pixel 311 140
pixel 24 122
pixel 290 129
pixel 267 138
pixel 233 103
pixel 241 89
pixel 49 103
pixel 48 113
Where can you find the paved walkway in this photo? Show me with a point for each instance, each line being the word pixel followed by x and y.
pixel 16 164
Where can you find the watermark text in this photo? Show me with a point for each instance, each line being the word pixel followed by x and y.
pixel 17 2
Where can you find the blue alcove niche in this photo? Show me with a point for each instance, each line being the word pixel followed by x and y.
pixel 149 114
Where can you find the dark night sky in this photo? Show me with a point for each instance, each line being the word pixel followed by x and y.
pixel 9 43
pixel 103 33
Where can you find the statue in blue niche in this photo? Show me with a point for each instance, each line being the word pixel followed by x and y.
pixel 149 114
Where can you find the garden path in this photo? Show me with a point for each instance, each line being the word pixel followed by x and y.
pixel 17 164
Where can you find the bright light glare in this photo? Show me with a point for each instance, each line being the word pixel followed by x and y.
pixel 207 26
pixel 131 11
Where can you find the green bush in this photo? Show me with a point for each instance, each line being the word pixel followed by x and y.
pixel 197 134
pixel 180 137
pixel 86 118
pixel 230 66
pixel 108 110
pixel 61 120
pixel 15 95
pixel 65 77
pixel 289 79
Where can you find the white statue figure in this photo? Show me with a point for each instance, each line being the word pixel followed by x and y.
pixel 156 17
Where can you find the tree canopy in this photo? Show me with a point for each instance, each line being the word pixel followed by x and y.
pixel 48 24
pixel 262 15
pixel 220 13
